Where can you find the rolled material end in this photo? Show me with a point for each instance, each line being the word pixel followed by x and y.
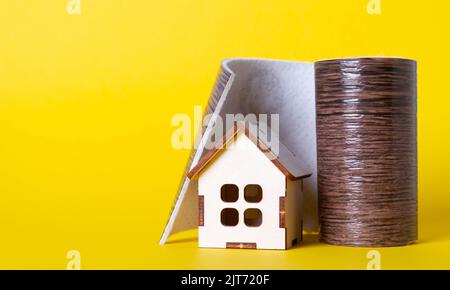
pixel 367 151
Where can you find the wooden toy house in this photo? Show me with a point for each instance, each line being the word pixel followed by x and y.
pixel 249 197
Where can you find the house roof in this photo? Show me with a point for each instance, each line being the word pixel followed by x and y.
pixel 289 164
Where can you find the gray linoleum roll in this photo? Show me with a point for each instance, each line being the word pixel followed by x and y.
pixel 367 151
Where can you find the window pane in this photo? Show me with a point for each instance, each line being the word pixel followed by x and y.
pixel 229 217
pixel 253 193
pixel 229 193
pixel 253 217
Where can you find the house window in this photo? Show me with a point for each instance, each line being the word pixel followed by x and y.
pixel 229 217
pixel 252 217
pixel 253 193
pixel 229 193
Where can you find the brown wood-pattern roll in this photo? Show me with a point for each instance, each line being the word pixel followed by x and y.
pixel 367 151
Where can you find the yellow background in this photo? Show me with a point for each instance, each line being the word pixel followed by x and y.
pixel 85 107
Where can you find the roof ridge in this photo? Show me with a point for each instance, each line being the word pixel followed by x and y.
pixel 240 126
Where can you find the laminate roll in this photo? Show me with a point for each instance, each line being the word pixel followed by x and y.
pixel 366 115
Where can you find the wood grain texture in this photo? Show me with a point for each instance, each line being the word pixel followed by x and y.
pixel 241 245
pixel 367 151
pixel 282 212
pixel 201 210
